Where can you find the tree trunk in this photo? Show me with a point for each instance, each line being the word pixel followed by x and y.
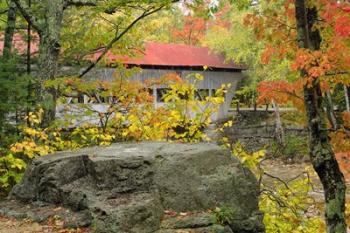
pixel 29 41
pixel 29 87
pixel 279 132
pixel 347 98
pixel 49 55
pixel 330 110
pixel 321 153
pixel 10 30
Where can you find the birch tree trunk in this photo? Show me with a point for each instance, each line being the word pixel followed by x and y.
pixel 279 132
pixel 330 110
pixel 347 98
pixel 321 152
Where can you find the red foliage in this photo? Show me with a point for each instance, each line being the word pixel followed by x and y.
pixel 194 28
pixel 315 63
pixel 267 54
pixel 342 26
pixel 192 31
pixel 344 163
pixel 280 92
pixel 341 144
pixel 331 11
pixel 277 28
pixel 346 119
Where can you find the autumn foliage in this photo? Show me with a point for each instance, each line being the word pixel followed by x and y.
pixel 194 27
pixel 341 144
pixel 192 31
pixel 344 163
pixel 281 92
pixel 318 69
pixel 278 30
pixel 129 114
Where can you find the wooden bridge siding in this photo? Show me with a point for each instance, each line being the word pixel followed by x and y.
pixel 212 80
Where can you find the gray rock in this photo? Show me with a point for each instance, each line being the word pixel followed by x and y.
pixel 127 187
pixel 195 221
pixel 137 213
pixel 210 229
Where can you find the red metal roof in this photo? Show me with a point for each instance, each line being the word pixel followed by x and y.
pixel 155 54
pixel 175 55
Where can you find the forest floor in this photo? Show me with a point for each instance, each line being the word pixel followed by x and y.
pixel 10 225
pixel 275 168
pixel 290 171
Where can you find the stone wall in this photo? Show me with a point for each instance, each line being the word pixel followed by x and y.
pixel 256 129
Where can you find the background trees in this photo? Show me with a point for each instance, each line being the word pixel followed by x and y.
pixel 321 152
pixel 300 52
pixel 309 36
pixel 47 18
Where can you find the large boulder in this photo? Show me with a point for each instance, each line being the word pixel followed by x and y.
pixel 133 187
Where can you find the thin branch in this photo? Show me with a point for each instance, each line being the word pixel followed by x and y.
pixel 117 38
pixel 273 197
pixel 277 178
pixel 110 10
pixel 337 73
pixel 114 25
pixel 3 11
pixel 290 93
pixel 283 23
pixel 81 3
pixel 28 15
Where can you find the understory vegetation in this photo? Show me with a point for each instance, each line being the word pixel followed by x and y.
pixel 131 116
pixel 287 205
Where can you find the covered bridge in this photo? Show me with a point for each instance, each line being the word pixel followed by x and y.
pixel 159 59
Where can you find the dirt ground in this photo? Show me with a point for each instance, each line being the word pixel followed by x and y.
pixel 8 225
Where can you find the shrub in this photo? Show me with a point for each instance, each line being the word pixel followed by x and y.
pixel 294 147
pixel 285 204
pixel 223 215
